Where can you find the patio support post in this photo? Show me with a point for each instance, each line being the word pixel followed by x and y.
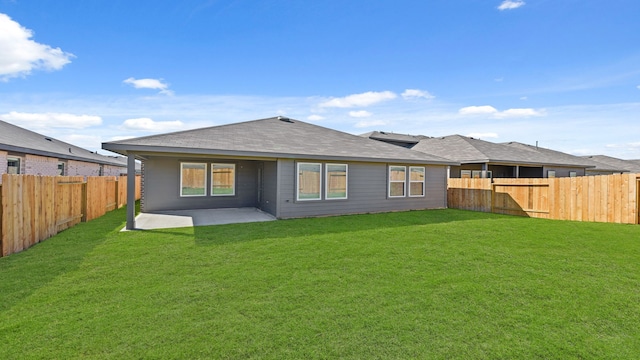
pixel 131 191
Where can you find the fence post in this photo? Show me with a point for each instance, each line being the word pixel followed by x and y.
pixel 1 228
pixel 84 202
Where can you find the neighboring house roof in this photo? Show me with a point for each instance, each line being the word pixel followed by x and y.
pixel 276 137
pixel 467 150
pixel 557 157
pixel 394 138
pixel 16 139
pixel 609 163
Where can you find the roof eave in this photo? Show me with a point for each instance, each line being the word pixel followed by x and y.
pixel 30 151
pixel 126 149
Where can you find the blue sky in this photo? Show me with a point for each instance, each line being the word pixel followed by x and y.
pixel 564 73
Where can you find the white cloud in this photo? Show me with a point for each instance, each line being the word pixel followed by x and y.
pixel 21 55
pixel 51 120
pixel 524 98
pixel 156 84
pixel 147 124
pixel 359 114
pixel 315 118
pixel 477 110
pixel 638 87
pixel 511 113
pixel 409 94
pixel 511 4
pixel 364 123
pixel 476 135
pixel 364 99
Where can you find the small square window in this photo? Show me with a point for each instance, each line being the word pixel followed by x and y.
pixel 13 165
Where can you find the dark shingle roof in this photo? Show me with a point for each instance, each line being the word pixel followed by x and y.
pixel 465 149
pixel 274 137
pixel 554 156
pixel 608 163
pixel 17 139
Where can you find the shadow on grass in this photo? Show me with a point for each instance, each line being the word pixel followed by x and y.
pixel 223 234
pixel 23 273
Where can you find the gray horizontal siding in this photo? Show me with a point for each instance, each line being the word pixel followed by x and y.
pixel 367 192
pixel 563 171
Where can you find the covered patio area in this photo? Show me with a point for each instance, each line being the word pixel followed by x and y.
pixel 199 217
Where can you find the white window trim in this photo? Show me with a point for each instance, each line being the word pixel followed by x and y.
pixel 346 185
pixel 298 181
pixel 234 179
pixel 15 158
pixel 424 172
pixel 404 193
pixel 205 179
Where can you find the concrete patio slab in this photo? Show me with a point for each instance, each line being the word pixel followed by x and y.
pixel 202 217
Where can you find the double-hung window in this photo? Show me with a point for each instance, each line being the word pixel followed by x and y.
pixel 416 180
pixel 223 179
pixel 309 181
pixel 336 178
pixel 397 180
pixel 13 165
pixel 193 179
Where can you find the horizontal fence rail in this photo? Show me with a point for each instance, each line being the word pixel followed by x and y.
pixel 605 198
pixel 34 208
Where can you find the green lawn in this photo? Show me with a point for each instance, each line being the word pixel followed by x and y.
pixel 422 284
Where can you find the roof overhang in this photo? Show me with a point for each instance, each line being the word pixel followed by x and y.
pixel 141 151
pixel 70 156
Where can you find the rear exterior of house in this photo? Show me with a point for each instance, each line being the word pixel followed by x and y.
pixel 284 167
pixel 289 188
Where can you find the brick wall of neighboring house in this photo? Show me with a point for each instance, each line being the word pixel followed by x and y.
pixel 40 165
pixel 81 168
pixel 112 170
pixel 3 164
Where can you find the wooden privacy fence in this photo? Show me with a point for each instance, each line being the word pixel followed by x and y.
pixel 606 198
pixel 34 208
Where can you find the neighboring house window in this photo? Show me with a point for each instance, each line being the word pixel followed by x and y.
pixel 101 170
pixel 193 179
pixel 223 179
pixel 573 174
pixel 397 181
pixel 336 179
pixel 551 174
pixel 13 165
pixel 416 180
pixel 61 168
pixel 309 181
pixel 465 174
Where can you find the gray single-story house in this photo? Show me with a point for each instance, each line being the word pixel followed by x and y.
pixel 606 165
pixel 482 159
pixel 284 167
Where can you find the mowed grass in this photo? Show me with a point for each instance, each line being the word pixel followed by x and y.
pixel 421 284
